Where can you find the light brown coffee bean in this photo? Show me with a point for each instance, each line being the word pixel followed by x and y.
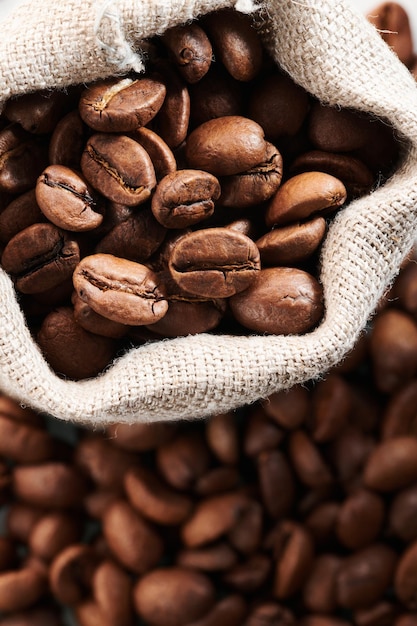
pixel 304 195
pixel 94 323
pixel 119 168
pixel 112 590
pixel 235 43
pixel 71 572
pixel 184 198
pixel 52 484
pixel 225 146
pixel 187 596
pixel 40 257
pixel 161 154
pixel 214 262
pixel 393 24
pixel 253 186
pixel 293 243
pixel 122 290
pixel 154 499
pixel 280 301
pixel 214 558
pixel 22 588
pixel 392 465
pixel 212 518
pixel 103 463
pixel 223 437
pixel 121 104
pixel 132 540
pixel 67 201
pixel 52 533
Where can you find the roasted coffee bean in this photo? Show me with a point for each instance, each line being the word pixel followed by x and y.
pixel 217 94
pixel 289 409
pixel 402 514
pixel 392 465
pixel 235 43
pixel 250 575
pixel 273 472
pixel 279 106
pixel 214 558
pixel 393 347
pixel 292 244
pixel 112 590
pixel 319 591
pixel 260 433
pixel 136 237
pixel 223 438
pixel 332 405
pixel 354 174
pixel 71 572
pixel 226 145
pixel 23 442
pixel 52 533
pixel 228 611
pixel 132 540
pixel 280 301
pixel 303 196
pixel 22 159
pixel 338 130
pixel 185 198
pixel 67 141
pixel 214 263
pixel 187 596
pixel 119 168
pixel 40 257
pixel 161 154
pixel 119 105
pixel 270 613
pixel 308 461
pixel 141 437
pixel 405 581
pixel 350 528
pixel 85 355
pixel 22 588
pixel 18 215
pixel 255 185
pixel 188 315
pixel 124 291
pixel 37 112
pixel 393 24
pixel 173 118
pixel 293 548
pixel 217 480
pixel 67 201
pixel 37 616
pixel 52 484
pixel 212 518
pixel 154 500
pixel 365 575
pixel 190 50
pixel 94 323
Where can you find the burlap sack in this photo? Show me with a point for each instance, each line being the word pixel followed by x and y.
pixel 329 49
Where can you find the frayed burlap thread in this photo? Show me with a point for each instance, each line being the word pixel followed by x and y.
pixel 329 49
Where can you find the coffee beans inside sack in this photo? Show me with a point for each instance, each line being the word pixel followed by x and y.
pixel 192 198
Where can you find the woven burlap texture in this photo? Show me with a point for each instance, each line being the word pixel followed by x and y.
pixel 328 48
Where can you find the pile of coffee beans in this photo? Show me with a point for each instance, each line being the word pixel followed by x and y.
pixel 189 199
pixel 297 511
